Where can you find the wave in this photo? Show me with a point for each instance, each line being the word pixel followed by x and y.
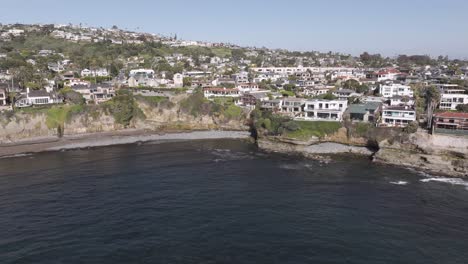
pixel 399 182
pixel 453 181
pixel 16 156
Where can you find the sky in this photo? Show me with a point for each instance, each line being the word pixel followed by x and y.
pixel 388 27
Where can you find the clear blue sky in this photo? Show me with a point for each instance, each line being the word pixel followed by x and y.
pixel 389 27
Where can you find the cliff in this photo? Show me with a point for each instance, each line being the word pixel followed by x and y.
pixel 437 154
pixel 33 124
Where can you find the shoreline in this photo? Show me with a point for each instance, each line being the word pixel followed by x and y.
pixel 69 142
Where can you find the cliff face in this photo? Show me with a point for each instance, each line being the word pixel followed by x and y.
pixel 442 154
pixel 33 125
pixel 439 154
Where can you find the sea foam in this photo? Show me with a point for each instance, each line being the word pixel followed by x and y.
pixel 453 181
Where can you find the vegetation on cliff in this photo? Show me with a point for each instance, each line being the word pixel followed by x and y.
pixel 197 105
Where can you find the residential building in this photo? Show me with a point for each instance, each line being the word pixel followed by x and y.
pixel 386 75
pixel 178 80
pixel 292 106
pixel 395 89
pixel 401 101
pixel 324 110
pixel 251 99
pixel 220 92
pixel 397 116
pixel 451 123
pixel 96 93
pixel 366 112
pixel 272 105
pixel 345 93
pixel 102 72
pixel 3 97
pixel 451 98
pixel 247 87
pixel 37 97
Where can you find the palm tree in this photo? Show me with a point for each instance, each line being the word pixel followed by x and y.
pixel 432 97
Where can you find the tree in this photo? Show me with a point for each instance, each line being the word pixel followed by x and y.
pixel 187 82
pixel 462 108
pixel 432 97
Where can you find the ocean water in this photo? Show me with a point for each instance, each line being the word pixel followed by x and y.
pixel 224 201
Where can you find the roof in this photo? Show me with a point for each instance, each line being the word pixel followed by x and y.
pixel 452 115
pixel 363 108
pixel 219 89
pixel 38 93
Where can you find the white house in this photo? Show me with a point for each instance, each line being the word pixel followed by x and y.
pixel 247 87
pixel 37 97
pixel 397 116
pixel 324 110
pixel 292 106
pixel 220 92
pixel 102 72
pixel 178 80
pixel 395 89
pixel 451 98
pixel 3 97
pixel 387 75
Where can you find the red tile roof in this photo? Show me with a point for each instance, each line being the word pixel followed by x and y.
pixel 452 115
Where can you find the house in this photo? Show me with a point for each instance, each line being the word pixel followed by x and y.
pixel 37 97
pixel 102 72
pixel 451 123
pixel 55 67
pixel 101 92
pixel 96 93
pixel 451 98
pixel 247 87
pixel 386 75
pixel 292 106
pixel 147 72
pixel 345 93
pixel 3 97
pixel 401 101
pixel 220 92
pixel 271 105
pixel 366 112
pixel 251 99
pixel 242 77
pixel 395 89
pixel 178 80
pixel 397 116
pixel 324 110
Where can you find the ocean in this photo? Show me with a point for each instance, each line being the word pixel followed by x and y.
pixel 224 201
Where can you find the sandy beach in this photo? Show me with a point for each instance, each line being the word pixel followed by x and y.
pixel 42 144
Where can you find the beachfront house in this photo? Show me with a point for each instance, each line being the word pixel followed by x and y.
pixel 366 112
pixel 324 110
pixel 451 123
pixel 397 116
pixel 37 97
